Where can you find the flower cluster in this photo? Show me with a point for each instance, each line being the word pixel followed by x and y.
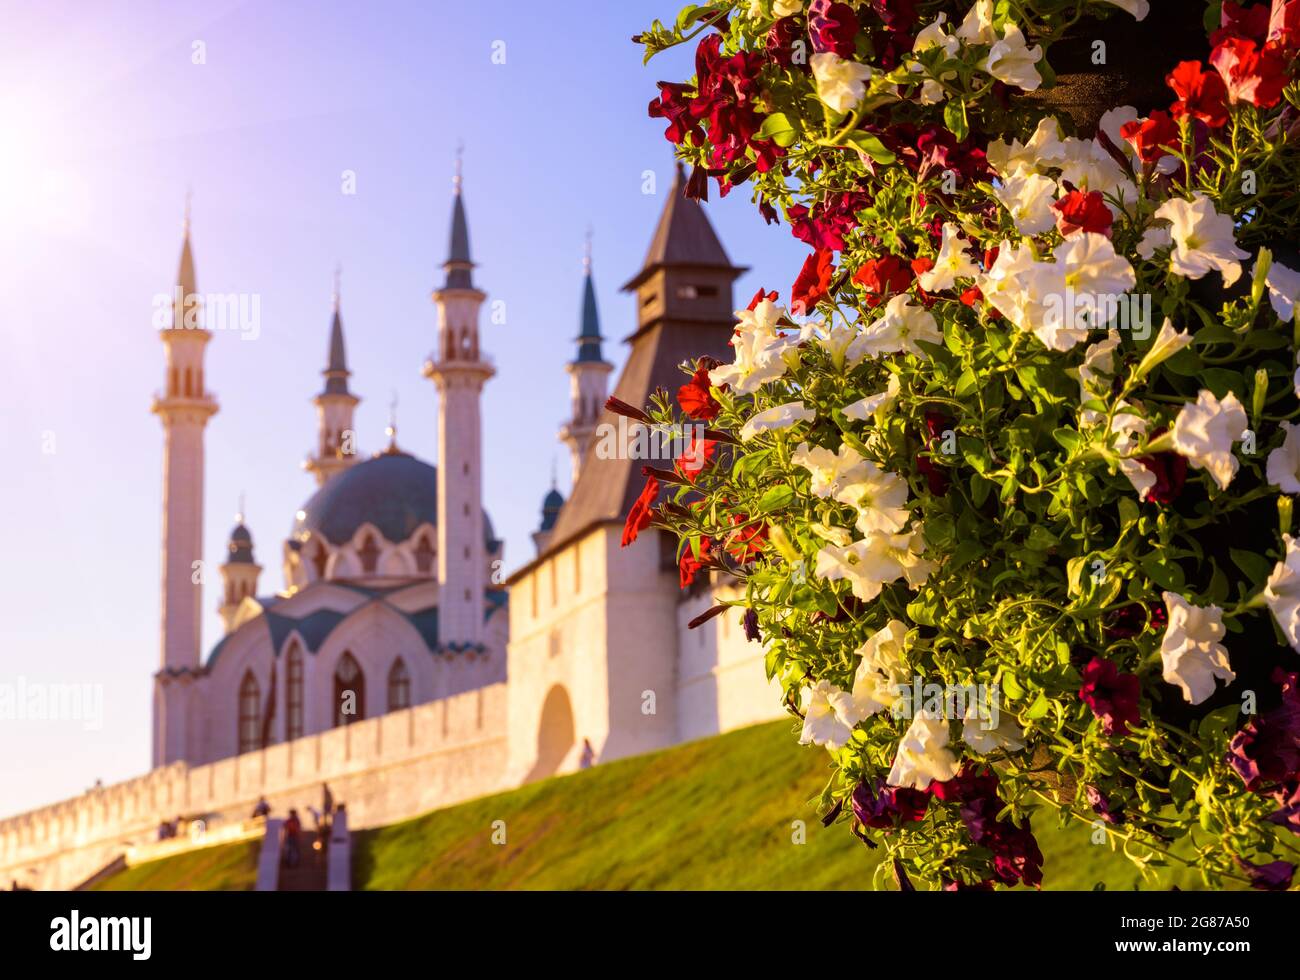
pixel 1028 424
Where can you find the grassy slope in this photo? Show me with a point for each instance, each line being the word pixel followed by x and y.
pixel 225 867
pixel 716 813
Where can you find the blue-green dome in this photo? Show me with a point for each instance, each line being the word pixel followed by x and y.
pixel 393 491
pixel 551 505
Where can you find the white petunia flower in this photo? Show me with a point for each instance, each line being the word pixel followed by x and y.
pixel 822 724
pixel 1154 239
pixel 1282 593
pixel 1096 278
pixel 831 471
pixel 1128 428
pixel 1283 290
pixel 952 263
pixel 903 324
pixel 1203 239
pixel 1168 342
pixel 1088 166
pixel 1043 150
pixel 879 558
pixel 879 498
pixel 1191 652
pixel 780 417
pixel 1013 61
pixel 759 350
pixel 1205 431
pixel 873 406
pixel 880 675
pixel 1029 197
pixel 983 738
pixel 923 754
pixel 1094 375
pixel 1138 8
pixel 788 8
pixel 977 27
pixel 935 35
pixel 841 84
pixel 1283 467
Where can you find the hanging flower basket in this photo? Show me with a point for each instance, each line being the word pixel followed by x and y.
pixel 1006 470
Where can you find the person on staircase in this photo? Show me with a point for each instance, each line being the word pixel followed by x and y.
pixel 292 840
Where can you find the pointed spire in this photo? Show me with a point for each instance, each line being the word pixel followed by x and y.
pixel 458 264
pixel 589 336
pixel 336 370
pixel 684 237
pixel 186 281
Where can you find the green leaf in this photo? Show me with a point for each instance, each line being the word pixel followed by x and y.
pixel 966 383
pixel 1038 708
pixel 1068 438
pixel 870 145
pixel 1255 567
pixel 775 498
pixel 1128 512
pixel 954 117
pixel 778 129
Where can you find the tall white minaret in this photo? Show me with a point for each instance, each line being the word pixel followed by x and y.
pixel 184 406
pixel 588 376
pixel 460 371
pixel 336 445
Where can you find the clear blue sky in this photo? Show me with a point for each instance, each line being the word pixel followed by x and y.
pixel 105 121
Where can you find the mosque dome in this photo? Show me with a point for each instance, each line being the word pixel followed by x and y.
pixel 551 505
pixel 240 549
pixel 394 492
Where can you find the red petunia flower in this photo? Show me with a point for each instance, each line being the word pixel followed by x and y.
pixel 814 282
pixel 695 397
pixel 1201 94
pixel 1283 33
pixel 1236 20
pixel 697 454
pixel 882 278
pixel 689 566
pixel 832 27
pixel 1251 75
pixel 748 541
pixel 1080 211
pixel 638 518
pixel 1112 696
pixel 1151 136
pixel 760 296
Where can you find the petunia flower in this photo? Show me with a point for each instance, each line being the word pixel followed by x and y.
pixel 1272 877
pixel 952 263
pixel 903 324
pixel 880 675
pixel 1028 196
pixel 841 84
pixel 884 807
pixel 1201 94
pixel 1127 428
pixel 1168 342
pixel 694 397
pixel 1043 149
pixel 1192 655
pixel 1095 373
pixel 923 755
pixel 878 559
pixel 1138 8
pixel 977 26
pixel 1205 431
pixel 1283 290
pixel 1203 239
pixel 1013 61
pixel 879 498
pixel 1283 467
pixel 1250 74
pixel 873 406
pixel 1112 696
pixel 759 350
pixel 813 283
pixel 822 724
pixel 1282 592
pixel 831 471
pixel 638 517
pixel 780 417
pixel 979 735
pixel 1083 211
pixel 1096 278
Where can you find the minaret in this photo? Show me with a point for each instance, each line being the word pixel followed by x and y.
pixel 239 573
pixel 336 447
pixel 588 376
pixel 184 408
pixel 459 371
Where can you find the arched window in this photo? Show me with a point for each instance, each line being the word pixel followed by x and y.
pixel 368 553
pixel 349 691
pixel 250 714
pixel 176 382
pixel 293 727
pixel 399 686
pixel 189 383
pixel 424 555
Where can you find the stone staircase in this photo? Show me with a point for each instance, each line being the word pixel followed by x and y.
pixel 311 873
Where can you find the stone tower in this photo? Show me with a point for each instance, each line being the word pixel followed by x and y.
pixel 336 445
pixel 184 406
pixel 459 370
pixel 588 377
pixel 239 573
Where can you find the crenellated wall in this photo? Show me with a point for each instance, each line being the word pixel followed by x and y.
pixel 385 769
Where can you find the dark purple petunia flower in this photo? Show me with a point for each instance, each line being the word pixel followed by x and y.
pixel 833 28
pixel 1112 696
pixel 885 807
pixel 1272 877
pixel 751 627
pixel 1016 855
pixel 1288 798
pixel 1267 749
pixel 1100 804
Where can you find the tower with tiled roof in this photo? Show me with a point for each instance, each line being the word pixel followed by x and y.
pixel 336 447
pixel 184 407
pixel 459 369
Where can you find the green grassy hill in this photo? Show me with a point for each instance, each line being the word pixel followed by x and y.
pixel 717 813
pixel 712 814
pixel 223 868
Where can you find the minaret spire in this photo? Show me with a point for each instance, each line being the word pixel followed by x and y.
pixel 588 373
pixel 184 407
pixel 336 444
pixel 459 370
